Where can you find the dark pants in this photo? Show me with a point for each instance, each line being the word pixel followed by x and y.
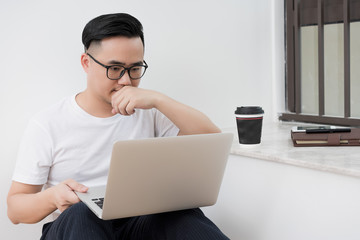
pixel 78 222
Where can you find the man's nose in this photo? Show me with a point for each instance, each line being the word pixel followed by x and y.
pixel 125 79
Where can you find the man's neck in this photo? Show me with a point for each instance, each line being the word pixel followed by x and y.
pixel 94 106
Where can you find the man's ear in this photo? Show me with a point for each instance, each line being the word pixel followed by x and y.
pixel 85 61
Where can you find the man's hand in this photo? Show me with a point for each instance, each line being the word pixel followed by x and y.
pixel 28 204
pixel 128 98
pixel 186 118
pixel 64 196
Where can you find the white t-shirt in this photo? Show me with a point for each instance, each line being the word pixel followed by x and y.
pixel 65 142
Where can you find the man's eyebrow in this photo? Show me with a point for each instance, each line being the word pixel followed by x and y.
pixel 114 62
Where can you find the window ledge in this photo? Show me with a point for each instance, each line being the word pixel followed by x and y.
pixel 276 146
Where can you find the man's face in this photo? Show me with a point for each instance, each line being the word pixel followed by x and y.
pixel 112 51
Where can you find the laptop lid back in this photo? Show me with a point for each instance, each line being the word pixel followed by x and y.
pixel 165 174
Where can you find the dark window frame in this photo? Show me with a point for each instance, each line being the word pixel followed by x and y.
pixel 312 13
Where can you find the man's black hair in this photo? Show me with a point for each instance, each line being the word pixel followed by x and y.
pixel 110 25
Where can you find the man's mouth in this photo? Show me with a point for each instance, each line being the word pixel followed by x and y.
pixel 114 90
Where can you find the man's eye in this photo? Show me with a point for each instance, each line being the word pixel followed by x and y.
pixel 116 69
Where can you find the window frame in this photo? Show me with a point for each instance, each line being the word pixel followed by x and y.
pixel 313 14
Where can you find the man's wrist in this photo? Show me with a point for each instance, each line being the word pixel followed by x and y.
pixel 48 196
pixel 159 100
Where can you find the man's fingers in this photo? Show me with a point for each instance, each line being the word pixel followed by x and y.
pixel 130 108
pixel 122 106
pixel 75 186
pixel 121 99
pixel 116 102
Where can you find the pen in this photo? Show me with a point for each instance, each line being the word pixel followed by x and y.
pixel 335 130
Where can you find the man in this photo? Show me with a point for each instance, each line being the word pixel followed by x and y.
pixel 67 147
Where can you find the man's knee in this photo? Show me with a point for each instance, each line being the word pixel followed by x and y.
pixel 185 224
pixel 78 212
pixel 78 222
pixel 171 221
pixel 78 208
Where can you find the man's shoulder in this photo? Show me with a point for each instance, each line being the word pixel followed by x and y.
pixel 53 112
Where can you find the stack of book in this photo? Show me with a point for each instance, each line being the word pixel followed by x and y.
pixel 325 136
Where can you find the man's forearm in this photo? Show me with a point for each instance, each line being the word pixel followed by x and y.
pixel 186 118
pixel 30 208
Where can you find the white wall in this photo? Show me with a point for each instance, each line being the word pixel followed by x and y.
pixel 264 200
pixel 212 55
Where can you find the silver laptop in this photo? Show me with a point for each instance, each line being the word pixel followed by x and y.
pixel 161 174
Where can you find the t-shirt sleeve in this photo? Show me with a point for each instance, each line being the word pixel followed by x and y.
pixel 163 126
pixel 34 155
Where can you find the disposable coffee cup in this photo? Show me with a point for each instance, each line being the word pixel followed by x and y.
pixel 249 124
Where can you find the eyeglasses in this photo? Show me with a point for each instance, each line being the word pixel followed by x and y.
pixel 115 72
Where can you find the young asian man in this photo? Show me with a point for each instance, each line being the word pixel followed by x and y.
pixel 65 146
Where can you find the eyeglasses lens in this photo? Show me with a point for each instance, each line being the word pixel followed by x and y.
pixel 136 72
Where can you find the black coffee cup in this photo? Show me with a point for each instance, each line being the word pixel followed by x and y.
pixel 249 124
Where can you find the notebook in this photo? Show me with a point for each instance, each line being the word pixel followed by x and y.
pixel 303 139
pixel 157 175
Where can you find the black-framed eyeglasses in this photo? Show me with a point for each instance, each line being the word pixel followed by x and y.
pixel 115 72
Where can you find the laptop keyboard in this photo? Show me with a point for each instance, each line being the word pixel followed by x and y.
pixel 99 202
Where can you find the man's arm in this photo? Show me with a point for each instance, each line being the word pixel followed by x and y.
pixel 186 118
pixel 28 204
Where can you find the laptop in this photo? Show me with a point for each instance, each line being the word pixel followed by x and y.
pixel 157 175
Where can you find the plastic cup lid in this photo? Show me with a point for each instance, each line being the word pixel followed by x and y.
pixel 249 110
